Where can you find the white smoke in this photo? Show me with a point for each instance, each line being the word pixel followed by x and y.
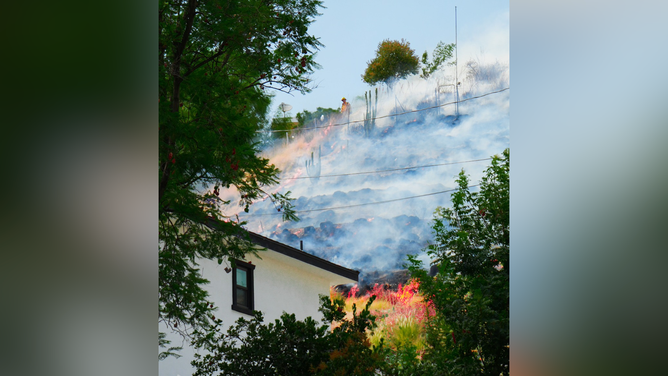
pixel 377 237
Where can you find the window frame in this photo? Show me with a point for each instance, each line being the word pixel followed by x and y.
pixel 250 289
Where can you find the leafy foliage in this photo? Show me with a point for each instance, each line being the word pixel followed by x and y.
pixel 403 362
pixel 394 59
pixel 470 333
pixel 292 347
pixel 281 122
pixel 217 59
pixel 163 342
pixel 305 117
pixel 353 353
pixel 285 347
pixel 442 53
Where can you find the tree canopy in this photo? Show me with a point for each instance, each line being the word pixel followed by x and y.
pixel 394 59
pixel 217 61
pixel 281 124
pixel 470 333
pixel 305 117
pixel 292 347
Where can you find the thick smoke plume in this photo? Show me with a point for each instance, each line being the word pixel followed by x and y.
pixel 376 238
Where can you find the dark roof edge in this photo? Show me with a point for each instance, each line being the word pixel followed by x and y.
pixel 303 256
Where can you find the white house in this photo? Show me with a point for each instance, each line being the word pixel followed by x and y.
pixel 285 279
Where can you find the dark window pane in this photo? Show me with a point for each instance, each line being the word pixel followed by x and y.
pixel 242 278
pixel 242 297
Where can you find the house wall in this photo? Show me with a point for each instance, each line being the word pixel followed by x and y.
pixel 281 284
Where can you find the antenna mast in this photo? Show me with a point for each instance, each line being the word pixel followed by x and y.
pixel 456 69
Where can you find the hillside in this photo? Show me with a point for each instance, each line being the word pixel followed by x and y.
pixel 337 220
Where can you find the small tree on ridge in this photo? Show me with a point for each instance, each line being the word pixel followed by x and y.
pixel 394 59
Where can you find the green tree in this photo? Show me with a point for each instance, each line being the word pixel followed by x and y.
pixel 470 333
pixel 217 60
pixel 351 352
pixel 280 124
pixel 305 117
pixel 292 347
pixel 394 59
pixel 442 53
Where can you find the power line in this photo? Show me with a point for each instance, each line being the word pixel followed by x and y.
pixel 390 170
pixel 390 115
pixel 363 204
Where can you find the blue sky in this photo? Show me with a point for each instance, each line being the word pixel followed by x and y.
pixel 352 30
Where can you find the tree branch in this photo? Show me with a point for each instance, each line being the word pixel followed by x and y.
pixel 189 19
pixel 217 54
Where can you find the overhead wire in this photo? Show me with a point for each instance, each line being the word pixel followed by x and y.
pixel 380 171
pixel 389 170
pixel 362 204
pixel 386 116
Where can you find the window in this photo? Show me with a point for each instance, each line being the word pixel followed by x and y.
pixel 242 287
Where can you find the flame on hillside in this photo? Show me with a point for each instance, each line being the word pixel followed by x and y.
pixel 394 308
pixel 298 232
